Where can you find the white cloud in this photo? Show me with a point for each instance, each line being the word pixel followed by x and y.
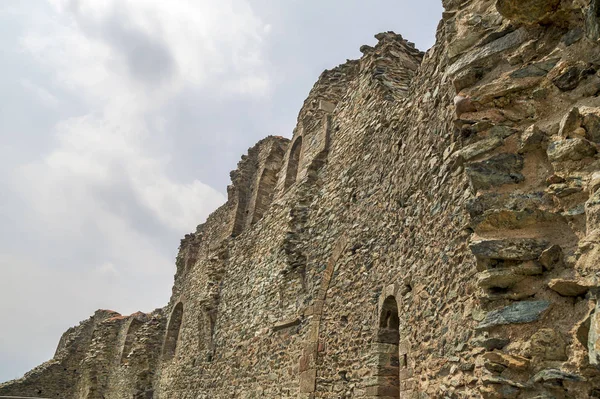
pixel 206 43
pixel 103 53
pixel 43 95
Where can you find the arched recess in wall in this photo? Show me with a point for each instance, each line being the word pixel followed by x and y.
pixel 172 336
pixel 388 357
pixel 264 195
pixel 293 162
pixel 205 335
pixel 133 328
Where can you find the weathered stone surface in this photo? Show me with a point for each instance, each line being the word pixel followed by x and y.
pixel 556 375
pixel 582 330
pixel 518 313
pixel 509 249
pixel 510 361
pixel 571 121
pixel 547 344
pixel 592 211
pixel 479 148
pixel 507 277
pixel 551 257
pixel 531 139
pixel 567 76
pixel 593 341
pixel 591 123
pixel 536 69
pixel 496 171
pixel 492 343
pixel 568 287
pixel 504 381
pixel 527 11
pixel 463 105
pixel 495 47
pixel 506 219
pixel 563 190
pixel 570 150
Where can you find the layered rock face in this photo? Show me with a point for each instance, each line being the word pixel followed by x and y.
pixel 432 230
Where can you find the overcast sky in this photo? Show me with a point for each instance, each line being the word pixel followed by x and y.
pixel 119 123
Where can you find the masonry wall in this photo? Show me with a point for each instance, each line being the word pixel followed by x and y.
pixel 430 231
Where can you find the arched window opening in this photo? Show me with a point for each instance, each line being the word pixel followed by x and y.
pixel 172 336
pixel 133 328
pixel 293 162
pixel 388 359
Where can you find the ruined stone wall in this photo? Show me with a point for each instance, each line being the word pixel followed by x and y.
pixel 430 231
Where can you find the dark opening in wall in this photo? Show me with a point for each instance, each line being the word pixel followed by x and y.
pixel 134 326
pixel 293 162
pixel 388 359
pixel 172 335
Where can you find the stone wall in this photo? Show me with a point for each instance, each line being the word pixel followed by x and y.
pixel 430 231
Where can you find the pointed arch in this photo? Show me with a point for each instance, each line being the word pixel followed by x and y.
pixel 264 195
pixel 172 335
pixel 293 162
pixel 133 328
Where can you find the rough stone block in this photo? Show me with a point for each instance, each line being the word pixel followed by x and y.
pixel 518 313
pixel 570 150
pixel 527 11
pixel 568 287
pixel 498 170
pixel 516 249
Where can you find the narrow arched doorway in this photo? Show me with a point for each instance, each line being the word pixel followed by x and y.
pixel 387 345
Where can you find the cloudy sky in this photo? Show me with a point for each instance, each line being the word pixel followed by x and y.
pixel 119 123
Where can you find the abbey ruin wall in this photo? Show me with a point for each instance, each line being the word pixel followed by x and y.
pixel 430 231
